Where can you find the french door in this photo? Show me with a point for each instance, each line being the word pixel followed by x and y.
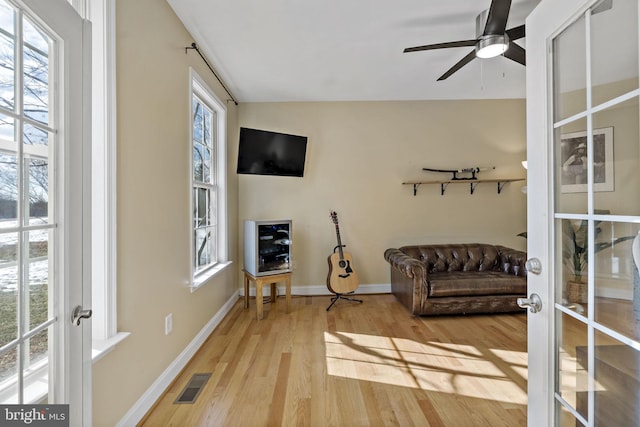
pixel 583 152
pixel 44 205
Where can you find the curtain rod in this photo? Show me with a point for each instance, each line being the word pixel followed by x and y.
pixel 195 47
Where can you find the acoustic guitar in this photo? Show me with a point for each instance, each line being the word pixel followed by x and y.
pixel 342 278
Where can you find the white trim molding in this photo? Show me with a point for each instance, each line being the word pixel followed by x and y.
pixel 102 14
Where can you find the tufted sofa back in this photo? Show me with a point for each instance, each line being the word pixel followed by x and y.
pixel 468 257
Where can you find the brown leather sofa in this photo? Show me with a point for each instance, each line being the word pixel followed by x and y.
pixel 458 278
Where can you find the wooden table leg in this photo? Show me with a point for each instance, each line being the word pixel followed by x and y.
pixel 287 282
pixel 246 291
pixel 259 281
pixel 259 298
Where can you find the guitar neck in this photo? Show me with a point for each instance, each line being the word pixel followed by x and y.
pixel 339 241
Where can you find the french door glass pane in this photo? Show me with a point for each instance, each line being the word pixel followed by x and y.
pixel 617 285
pixel 37 193
pixel 36 73
pixel 7 127
pixel 570 145
pixel 8 374
pixel 614 71
pixel 8 289
pixel 571 268
pixel 7 56
pixel 617 376
pixel 8 191
pixel 564 418
pixel 617 165
pixel 569 72
pixel 37 266
pixel 572 382
pixel 37 353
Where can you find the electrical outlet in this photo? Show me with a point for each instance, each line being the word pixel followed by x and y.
pixel 168 324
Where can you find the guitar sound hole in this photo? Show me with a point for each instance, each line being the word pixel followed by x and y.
pixel 342 263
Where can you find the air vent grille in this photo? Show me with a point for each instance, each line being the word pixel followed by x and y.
pixel 193 388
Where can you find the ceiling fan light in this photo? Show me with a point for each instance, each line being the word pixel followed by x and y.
pixel 490 46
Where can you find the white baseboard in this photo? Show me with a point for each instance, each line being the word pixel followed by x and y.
pixel 149 398
pixel 383 288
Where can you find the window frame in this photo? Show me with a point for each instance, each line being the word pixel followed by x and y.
pixel 199 89
pixel 104 322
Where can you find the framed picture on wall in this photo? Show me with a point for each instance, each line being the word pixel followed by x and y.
pixel 573 161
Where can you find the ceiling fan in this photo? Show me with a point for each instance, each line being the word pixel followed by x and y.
pixel 492 38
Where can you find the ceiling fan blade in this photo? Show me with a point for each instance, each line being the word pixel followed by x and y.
pixel 516 53
pixel 497 17
pixel 516 33
pixel 461 43
pixel 602 6
pixel 464 61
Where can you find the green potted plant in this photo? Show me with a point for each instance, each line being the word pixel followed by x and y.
pixel 575 252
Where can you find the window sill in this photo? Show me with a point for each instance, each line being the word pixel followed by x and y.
pixel 100 348
pixel 204 277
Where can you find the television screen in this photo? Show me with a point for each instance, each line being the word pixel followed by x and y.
pixel 270 153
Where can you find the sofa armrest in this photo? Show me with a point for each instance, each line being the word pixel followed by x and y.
pixel 409 266
pixel 408 279
pixel 513 261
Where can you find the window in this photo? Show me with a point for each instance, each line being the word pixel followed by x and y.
pixel 208 172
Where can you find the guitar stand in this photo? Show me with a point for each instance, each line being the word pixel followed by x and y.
pixel 342 296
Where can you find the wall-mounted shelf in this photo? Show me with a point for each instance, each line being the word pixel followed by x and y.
pixel 473 183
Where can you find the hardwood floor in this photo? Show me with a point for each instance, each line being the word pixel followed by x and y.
pixel 370 364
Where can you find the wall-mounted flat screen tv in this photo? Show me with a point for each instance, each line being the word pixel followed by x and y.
pixel 262 152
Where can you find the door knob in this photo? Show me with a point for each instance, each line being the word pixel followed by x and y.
pixel 533 302
pixel 79 314
pixel 533 265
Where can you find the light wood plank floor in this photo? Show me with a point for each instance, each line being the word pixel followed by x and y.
pixel 370 364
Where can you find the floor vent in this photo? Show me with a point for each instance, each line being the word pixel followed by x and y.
pixel 193 388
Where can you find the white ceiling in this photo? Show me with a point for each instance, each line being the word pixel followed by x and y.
pixel 329 50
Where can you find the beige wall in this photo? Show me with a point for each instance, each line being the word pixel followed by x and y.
pixel 358 155
pixel 153 213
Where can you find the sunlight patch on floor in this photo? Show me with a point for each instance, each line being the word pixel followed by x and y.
pixel 435 366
